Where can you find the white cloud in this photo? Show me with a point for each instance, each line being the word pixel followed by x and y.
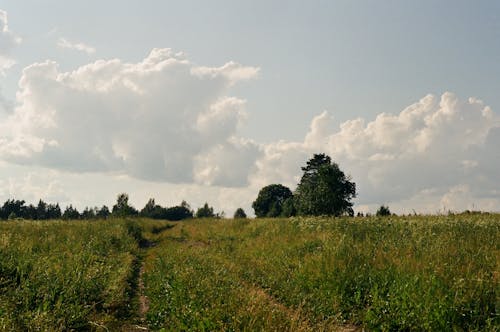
pixel 153 120
pixel 64 43
pixel 7 41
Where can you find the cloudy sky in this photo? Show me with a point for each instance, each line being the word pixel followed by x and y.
pixel 211 100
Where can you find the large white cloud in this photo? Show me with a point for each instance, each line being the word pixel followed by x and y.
pixel 152 120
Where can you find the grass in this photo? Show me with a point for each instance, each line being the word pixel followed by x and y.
pixel 419 273
pixel 389 274
pixel 64 275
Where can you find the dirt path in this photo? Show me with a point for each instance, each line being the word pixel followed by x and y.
pixel 143 299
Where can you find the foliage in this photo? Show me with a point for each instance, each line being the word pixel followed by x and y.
pixel 239 214
pixel 288 208
pixel 179 212
pixel 205 212
pixel 103 212
pixel 270 200
pixel 383 211
pixel 324 189
pixel 122 208
pixel 70 213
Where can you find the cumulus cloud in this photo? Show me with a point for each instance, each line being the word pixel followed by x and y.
pixel 64 43
pixel 7 41
pixel 153 120
pixel 443 147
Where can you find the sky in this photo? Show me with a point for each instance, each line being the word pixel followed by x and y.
pixel 210 101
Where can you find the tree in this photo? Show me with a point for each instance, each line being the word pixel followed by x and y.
pixel 88 213
pixel 383 211
pixel 70 213
pixel 122 208
pixel 41 210
pixel 270 200
pixel 324 189
pixel 53 211
pixel 176 213
pixel 148 209
pixel 12 206
pixel 205 212
pixel 288 208
pixel 239 214
pixel 103 212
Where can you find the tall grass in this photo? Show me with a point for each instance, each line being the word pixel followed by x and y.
pixel 390 274
pixel 301 274
pixel 64 275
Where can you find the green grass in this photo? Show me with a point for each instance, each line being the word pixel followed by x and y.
pixel 64 275
pixel 420 273
pixel 389 274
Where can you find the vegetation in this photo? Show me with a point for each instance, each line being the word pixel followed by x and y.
pixel 383 211
pixel 391 274
pixel 318 269
pixel 205 212
pixel 416 273
pixel 270 201
pixel 65 275
pixel 239 214
pixel 324 189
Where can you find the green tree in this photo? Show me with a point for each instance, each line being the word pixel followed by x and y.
pixel 383 211
pixel 41 210
pixel 288 208
pixel 148 209
pixel 181 212
pixel 122 208
pixel 270 200
pixel 70 213
pixel 239 214
pixel 103 212
pixel 324 189
pixel 205 212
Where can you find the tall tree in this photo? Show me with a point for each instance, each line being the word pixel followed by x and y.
pixel 324 189
pixel 270 200
pixel 122 208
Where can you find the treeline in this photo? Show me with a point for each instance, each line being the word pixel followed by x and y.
pixel 324 189
pixel 18 209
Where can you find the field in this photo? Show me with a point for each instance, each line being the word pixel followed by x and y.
pixel 435 273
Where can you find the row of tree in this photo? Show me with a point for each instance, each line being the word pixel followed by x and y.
pixel 324 189
pixel 13 209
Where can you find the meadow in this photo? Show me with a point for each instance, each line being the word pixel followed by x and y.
pixel 414 273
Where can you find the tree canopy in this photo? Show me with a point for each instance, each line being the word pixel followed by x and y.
pixel 205 212
pixel 270 200
pixel 239 214
pixel 324 189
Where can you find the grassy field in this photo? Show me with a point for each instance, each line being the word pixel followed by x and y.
pixel 438 273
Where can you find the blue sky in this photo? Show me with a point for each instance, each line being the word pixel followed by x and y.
pixel 353 59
